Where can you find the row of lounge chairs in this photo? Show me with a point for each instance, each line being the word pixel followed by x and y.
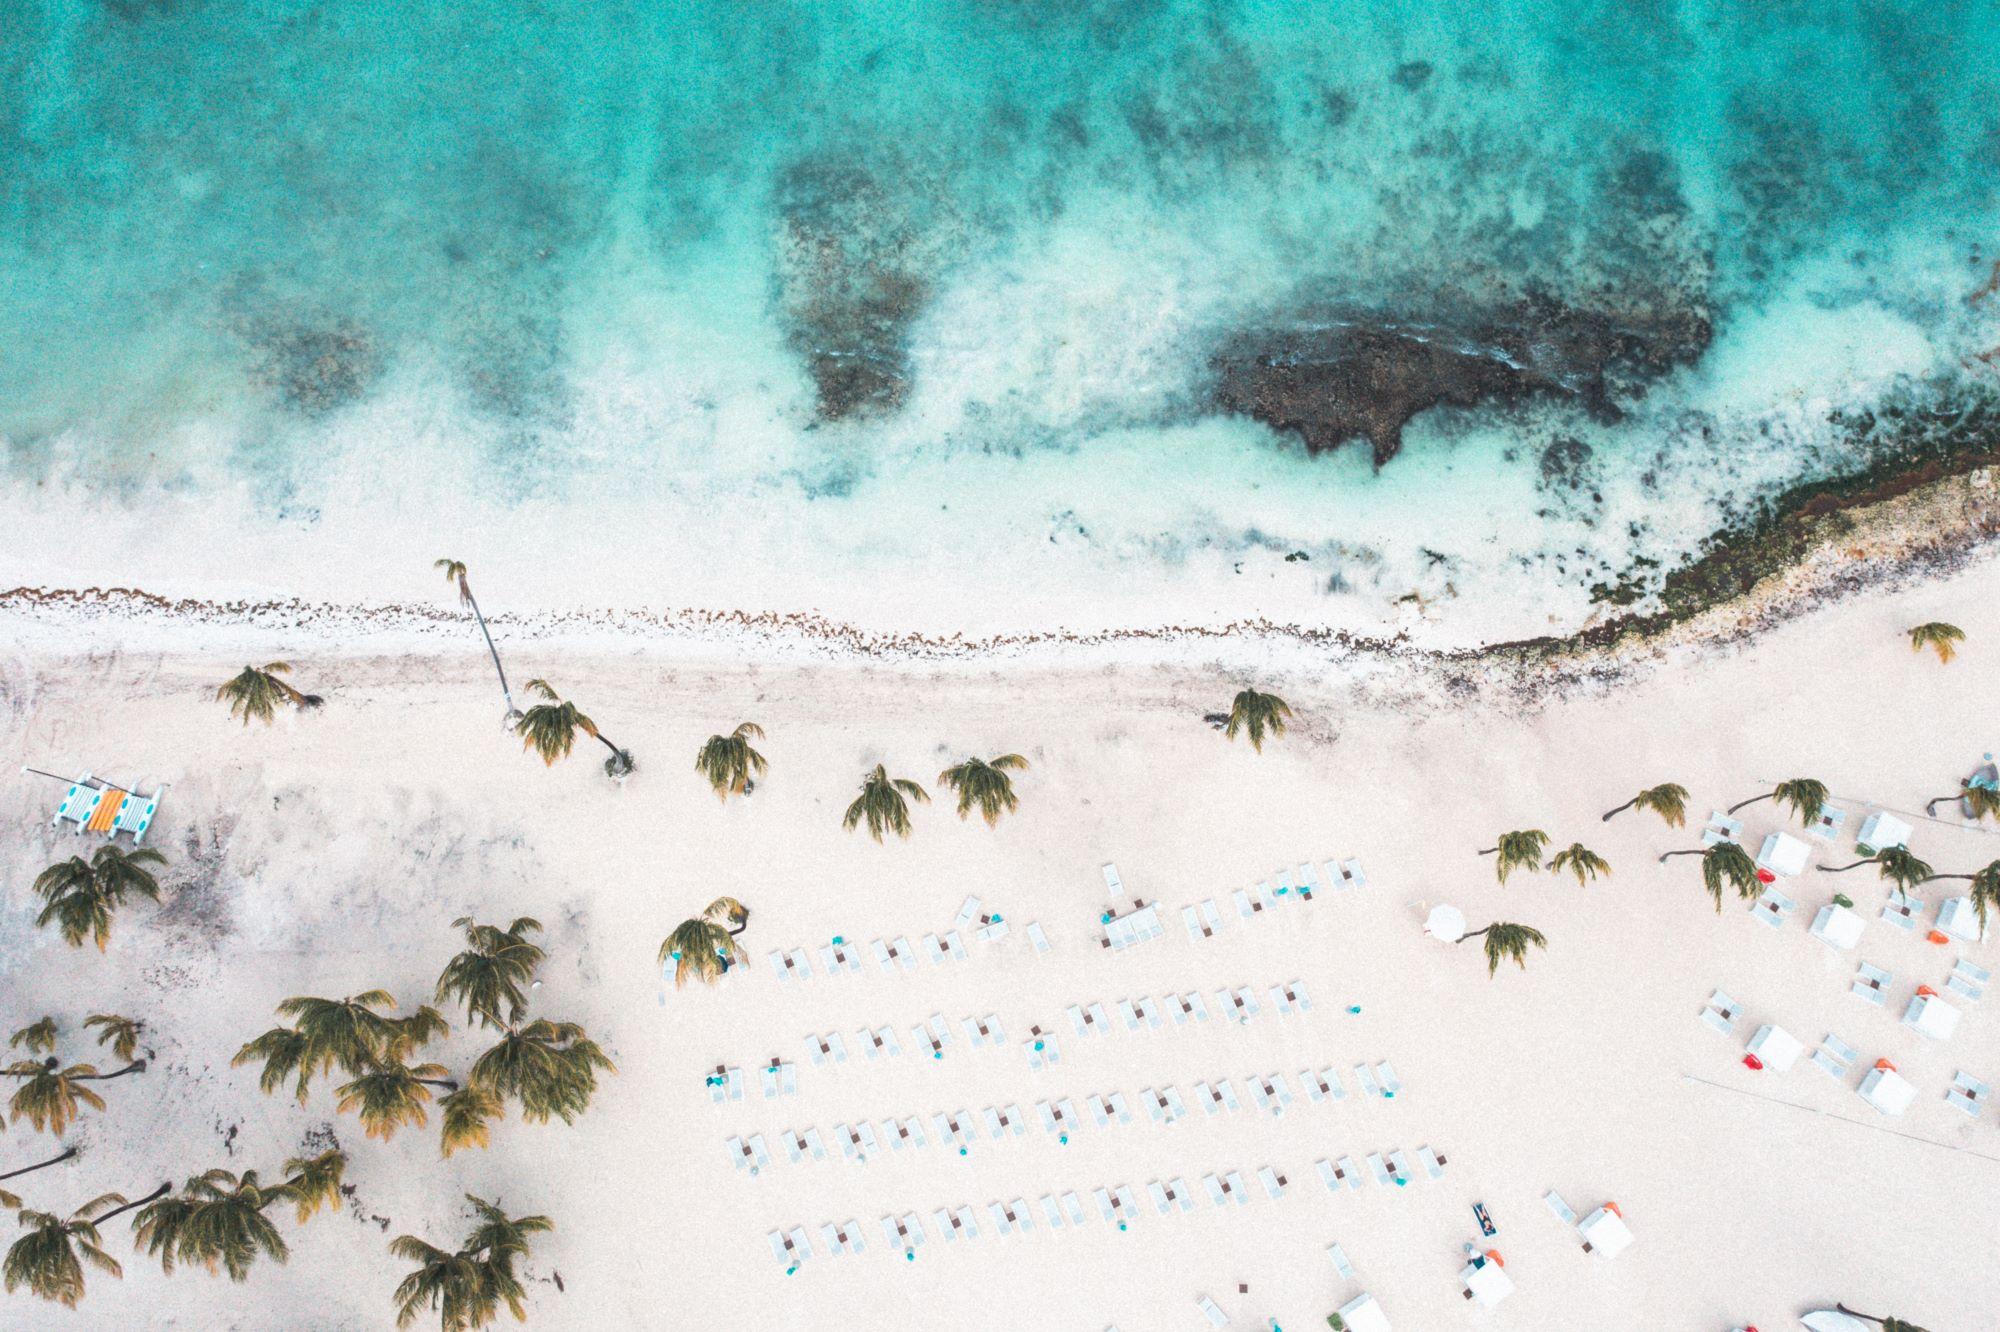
pixel 1114 1204
pixel 892 955
pixel 1059 1116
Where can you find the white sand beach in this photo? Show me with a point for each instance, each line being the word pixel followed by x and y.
pixel 328 854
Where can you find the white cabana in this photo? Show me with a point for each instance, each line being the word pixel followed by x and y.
pixel 1784 854
pixel 1880 831
pixel 1364 1314
pixel 1887 1090
pixel 1606 1230
pixel 1958 918
pixel 1778 1048
pixel 1932 1016
pixel 1488 1282
pixel 1838 926
pixel 1832 1320
pixel 1446 923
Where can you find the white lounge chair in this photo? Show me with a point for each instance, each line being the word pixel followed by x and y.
pixel 1211 1311
pixel 1233 1182
pixel 1402 1167
pixel 1433 1163
pixel 1385 1073
pixel 1561 1209
pixel 1871 983
pixel 1365 1077
pixel 1074 1206
pixel 1382 1175
pixel 1214 1187
pixel 1037 936
pixel 1968 980
pixel 967 913
pixel 1052 1211
pixel 1273 1182
pixel 1349 1172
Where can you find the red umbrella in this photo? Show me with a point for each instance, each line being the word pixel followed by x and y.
pixel 1752 1061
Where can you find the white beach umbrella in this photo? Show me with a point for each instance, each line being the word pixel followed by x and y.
pixel 1446 923
pixel 1832 1320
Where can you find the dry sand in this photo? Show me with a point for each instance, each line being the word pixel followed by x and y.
pixel 328 854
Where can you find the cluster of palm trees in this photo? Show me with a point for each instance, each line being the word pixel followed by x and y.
pixel 981 784
pixel 468 1286
pixel 1523 850
pixel 548 1069
pixel 79 897
pixel 51 1094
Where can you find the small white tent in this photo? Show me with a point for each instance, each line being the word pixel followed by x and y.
pixel 1958 918
pixel 1784 854
pixel 1778 1048
pixel 1363 1314
pixel 1887 1090
pixel 1932 1016
pixel 1488 1282
pixel 1606 1231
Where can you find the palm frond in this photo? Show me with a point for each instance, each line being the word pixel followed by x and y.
pixel 1940 637
pixel 120 1033
pixel 1580 861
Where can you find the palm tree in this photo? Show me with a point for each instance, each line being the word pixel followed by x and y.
pixel 1983 801
pixel 1581 861
pixel 1985 892
pixel 217 1219
pixel 1723 863
pixel 549 1067
pixel 468 1116
pixel 1895 864
pixel 49 1259
pixel 38 1037
pixel 729 763
pixel 1886 1324
pixel 1940 637
pixel 487 977
pixel 466 1288
pixel 985 783
pixel 550 730
pixel 1803 794
pixel 1518 850
pixel 120 1033
pixel 80 896
pixel 1258 713
pixel 882 804
pixel 9 1200
pixel 1667 800
pixel 1505 940
pixel 392 1096
pixel 704 948
pixel 344 1033
pixel 50 1097
pixel 454 572
pixel 257 692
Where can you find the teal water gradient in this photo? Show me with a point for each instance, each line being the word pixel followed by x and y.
pixel 584 255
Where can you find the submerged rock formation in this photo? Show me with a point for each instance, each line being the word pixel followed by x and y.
pixel 1342 375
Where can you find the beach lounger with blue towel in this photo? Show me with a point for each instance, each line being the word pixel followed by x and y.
pixel 1385 1073
pixel 1402 1165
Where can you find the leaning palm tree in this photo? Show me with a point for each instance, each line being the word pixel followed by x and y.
pixel 882 804
pixel 1668 800
pixel 1518 850
pixel 256 694
pixel 38 1037
pixel 347 1034
pixel 49 1259
pixel 217 1219
pixel 550 730
pixel 1258 714
pixel 1982 802
pixel 120 1033
pixel 1895 864
pixel 1890 1324
pixel 549 1067
pixel 81 895
pixel 1505 940
pixel 1803 794
pixel 454 572
pixel 985 783
pixel 9 1200
pixel 1723 864
pixel 1938 636
pixel 467 1288
pixel 50 1096
pixel 1581 861
pixel 729 763
pixel 393 1095
pixel 705 947
pixel 488 976
pixel 1985 892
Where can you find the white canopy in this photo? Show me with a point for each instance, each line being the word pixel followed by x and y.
pixel 1883 830
pixel 1784 854
pixel 1888 1091
pixel 1363 1314
pixel 1446 923
pixel 1778 1048
pixel 1606 1230
pixel 1839 925
pixel 1489 1284
pixel 1932 1016
pixel 1958 918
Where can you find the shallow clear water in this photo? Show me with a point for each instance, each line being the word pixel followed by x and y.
pixel 299 296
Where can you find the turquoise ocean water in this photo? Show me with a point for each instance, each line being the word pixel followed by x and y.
pixel 909 312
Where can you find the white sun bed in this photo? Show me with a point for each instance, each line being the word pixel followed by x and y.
pixel 1273 1182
